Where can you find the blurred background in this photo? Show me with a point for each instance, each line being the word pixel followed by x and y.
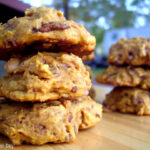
pixel 108 20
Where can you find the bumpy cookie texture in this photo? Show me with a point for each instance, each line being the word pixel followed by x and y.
pixel 135 51
pixel 44 29
pixel 128 100
pixel 45 76
pixel 51 121
pixel 126 76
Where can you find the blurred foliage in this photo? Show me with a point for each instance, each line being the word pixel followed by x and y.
pixel 115 13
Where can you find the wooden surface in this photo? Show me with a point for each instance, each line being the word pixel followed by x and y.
pixel 115 132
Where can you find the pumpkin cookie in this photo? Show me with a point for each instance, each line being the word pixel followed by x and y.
pixel 135 52
pixel 45 76
pixel 44 29
pixel 125 76
pixel 51 121
pixel 128 100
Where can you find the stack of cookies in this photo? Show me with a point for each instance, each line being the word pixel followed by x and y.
pixel 44 96
pixel 130 72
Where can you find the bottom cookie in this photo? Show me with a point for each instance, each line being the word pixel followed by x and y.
pixel 128 100
pixel 51 121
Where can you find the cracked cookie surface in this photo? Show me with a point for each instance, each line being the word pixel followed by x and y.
pixel 128 100
pixel 45 76
pixel 128 76
pixel 135 52
pixel 44 29
pixel 51 121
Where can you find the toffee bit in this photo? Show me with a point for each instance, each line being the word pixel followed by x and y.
pixel 74 89
pixel 139 100
pixel 41 127
pixel 70 117
pixel 97 115
pixel 130 55
pixel 75 101
pixel 51 26
pixel 10 43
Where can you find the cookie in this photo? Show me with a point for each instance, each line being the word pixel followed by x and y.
pixel 133 52
pixel 128 100
pixel 45 76
pixel 51 121
pixel 125 76
pixel 44 29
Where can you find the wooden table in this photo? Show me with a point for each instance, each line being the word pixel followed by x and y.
pixel 115 132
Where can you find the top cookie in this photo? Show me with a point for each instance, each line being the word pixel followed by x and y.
pixel 135 52
pixel 44 29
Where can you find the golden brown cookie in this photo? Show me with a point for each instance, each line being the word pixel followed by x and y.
pixel 45 76
pixel 128 100
pixel 44 29
pixel 135 51
pixel 51 121
pixel 125 76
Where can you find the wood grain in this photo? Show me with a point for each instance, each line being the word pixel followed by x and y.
pixel 115 132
